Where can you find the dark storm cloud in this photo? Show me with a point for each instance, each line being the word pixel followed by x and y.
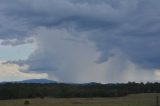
pixel 89 14
pixel 125 26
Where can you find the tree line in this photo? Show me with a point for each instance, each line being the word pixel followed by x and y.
pixel 60 90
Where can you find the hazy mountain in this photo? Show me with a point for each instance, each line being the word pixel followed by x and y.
pixel 37 81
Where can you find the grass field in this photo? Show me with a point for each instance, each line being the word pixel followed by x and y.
pixel 131 100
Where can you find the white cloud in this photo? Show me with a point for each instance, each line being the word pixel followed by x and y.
pixel 11 72
pixel 157 74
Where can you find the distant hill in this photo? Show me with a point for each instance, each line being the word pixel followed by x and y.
pixel 42 81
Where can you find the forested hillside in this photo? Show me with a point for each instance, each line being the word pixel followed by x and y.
pixel 60 90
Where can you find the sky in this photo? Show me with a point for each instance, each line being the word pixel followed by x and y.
pixel 80 41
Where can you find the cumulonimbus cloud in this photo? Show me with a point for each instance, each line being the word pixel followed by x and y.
pixel 114 27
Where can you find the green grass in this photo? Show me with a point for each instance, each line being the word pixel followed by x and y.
pixel 131 100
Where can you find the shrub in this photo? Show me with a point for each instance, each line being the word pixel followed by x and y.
pixel 26 102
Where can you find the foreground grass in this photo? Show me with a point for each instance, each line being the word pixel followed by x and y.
pixel 131 100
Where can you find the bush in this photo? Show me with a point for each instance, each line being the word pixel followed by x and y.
pixel 26 102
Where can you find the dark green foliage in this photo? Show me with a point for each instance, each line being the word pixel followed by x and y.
pixel 26 102
pixel 60 90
